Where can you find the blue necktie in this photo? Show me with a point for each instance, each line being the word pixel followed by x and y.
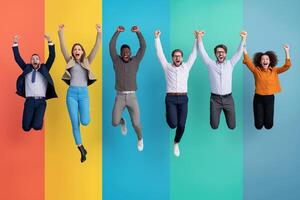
pixel 33 76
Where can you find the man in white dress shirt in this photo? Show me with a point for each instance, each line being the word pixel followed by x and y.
pixel 177 74
pixel 220 75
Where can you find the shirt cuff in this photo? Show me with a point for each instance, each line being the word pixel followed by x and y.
pixel 50 44
pixel 15 45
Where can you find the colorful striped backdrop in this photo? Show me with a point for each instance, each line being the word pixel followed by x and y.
pixel 214 164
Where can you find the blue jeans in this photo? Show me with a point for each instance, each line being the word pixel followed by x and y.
pixel 78 103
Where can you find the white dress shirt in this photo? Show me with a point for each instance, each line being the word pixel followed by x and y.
pixel 38 88
pixel 176 77
pixel 220 74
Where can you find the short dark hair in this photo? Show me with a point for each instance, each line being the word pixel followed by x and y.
pixel 272 55
pixel 124 46
pixel 177 50
pixel 35 54
pixel 220 46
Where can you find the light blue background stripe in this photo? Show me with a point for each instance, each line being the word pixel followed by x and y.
pixel 127 173
pixel 272 156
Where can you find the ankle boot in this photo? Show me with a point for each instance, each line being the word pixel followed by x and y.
pixel 83 153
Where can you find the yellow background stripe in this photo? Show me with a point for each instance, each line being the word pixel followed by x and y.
pixel 65 177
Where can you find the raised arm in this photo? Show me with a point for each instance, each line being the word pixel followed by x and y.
pixel 113 42
pixel 193 55
pixel 140 53
pixel 62 44
pixel 93 53
pixel 247 61
pixel 203 54
pixel 159 50
pixel 51 56
pixel 16 52
pixel 237 56
pixel 287 63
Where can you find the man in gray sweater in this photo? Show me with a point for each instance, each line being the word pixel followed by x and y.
pixel 126 67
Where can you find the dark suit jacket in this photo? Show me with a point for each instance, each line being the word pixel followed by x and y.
pixel 44 70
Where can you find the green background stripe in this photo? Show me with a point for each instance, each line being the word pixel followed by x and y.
pixel 211 162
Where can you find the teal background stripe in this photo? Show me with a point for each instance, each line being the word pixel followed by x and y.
pixel 127 173
pixel 211 163
pixel 272 156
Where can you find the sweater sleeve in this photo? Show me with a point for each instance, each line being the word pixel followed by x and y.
pixel 247 61
pixel 140 53
pixel 93 53
pixel 285 67
pixel 112 47
pixel 63 47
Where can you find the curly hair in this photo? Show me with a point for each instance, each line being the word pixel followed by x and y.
pixel 271 54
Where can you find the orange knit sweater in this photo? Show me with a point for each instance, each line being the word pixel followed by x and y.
pixel 266 82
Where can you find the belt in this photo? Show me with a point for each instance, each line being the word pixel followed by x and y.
pixel 35 97
pixel 218 95
pixel 125 92
pixel 177 93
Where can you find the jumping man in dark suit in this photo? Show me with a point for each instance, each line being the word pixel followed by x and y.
pixel 35 85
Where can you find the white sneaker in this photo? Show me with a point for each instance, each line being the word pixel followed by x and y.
pixel 123 127
pixel 140 145
pixel 176 150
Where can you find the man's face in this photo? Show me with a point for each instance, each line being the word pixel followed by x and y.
pixel 220 54
pixel 125 54
pixel 265 61
pixel 35 61
pixel 177 59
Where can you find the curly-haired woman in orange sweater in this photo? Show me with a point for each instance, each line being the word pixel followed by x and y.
pixel 267 84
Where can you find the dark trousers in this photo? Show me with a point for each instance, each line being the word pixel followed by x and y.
pixel 263 107
pixel 219 103
pixel 176 111
pixel 33 113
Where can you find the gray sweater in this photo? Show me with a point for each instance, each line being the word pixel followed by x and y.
pixel 79 76
pixel 125 73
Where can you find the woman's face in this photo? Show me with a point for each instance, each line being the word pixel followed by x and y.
pixel 265 61
pixel 77 52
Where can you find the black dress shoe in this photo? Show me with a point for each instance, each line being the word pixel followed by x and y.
pixel 83 153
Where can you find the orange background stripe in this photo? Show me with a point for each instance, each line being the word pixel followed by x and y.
pixel 22 155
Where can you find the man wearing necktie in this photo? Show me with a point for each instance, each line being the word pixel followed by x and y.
pixel 35 85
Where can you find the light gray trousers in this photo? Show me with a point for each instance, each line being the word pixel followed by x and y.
pixel 128 101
